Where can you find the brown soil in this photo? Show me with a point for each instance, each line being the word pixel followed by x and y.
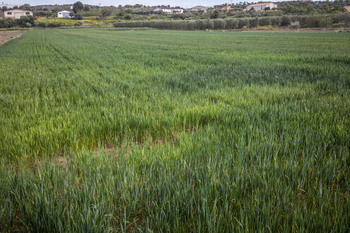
pixel 6 36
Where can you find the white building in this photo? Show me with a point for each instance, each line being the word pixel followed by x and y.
pixel 261 6
pixel 198 9
pixel 170 10
pixel 63 14
pixel 17 13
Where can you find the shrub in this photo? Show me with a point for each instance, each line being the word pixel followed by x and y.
pixel 285 21
pixel 26 21
pixel 78 17
pixel 234 23
pixel 231 23
pixel 41 24
pixel 265 21
pixel 242 23
pixel 325 22
pixel 7 23
pixel 78 23
pixel 219 24
pixel 341 18
pixel 253 22
pixel 128 17
pixel 214 15
pixel 201 25
pixel 54 24
pixel 192 25
pixel 275 21
pixel 311 21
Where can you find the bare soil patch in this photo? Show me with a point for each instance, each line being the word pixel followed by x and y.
pixel 6 36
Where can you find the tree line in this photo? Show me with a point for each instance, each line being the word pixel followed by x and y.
pixel 303 21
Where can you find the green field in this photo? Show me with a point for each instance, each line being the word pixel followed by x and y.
pixel 172 131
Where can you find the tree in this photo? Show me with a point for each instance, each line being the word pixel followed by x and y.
pixel 285 21
pixel 26 21
pixel 128 11
pixel 106 12
pixel 25 6
pixel 289 9
pixel 128 17
pixel 57 9
pixel 252 12
pixel 121 14
pixel 214 15
pixel 78 17
pixel 86 8
pixel 78 6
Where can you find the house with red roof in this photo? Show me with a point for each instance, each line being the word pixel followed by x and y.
pixel 225 8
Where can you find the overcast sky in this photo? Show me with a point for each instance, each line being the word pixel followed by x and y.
pixel 182 3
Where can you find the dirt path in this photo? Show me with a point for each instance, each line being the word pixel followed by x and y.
pixel 6 36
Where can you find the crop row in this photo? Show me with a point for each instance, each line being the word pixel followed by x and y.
pixel 154 131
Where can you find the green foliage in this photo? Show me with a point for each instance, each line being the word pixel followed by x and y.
pixel 7 23
pixel 42 24
pixel 44 14
pixel 54 24
pixel 25 7
pixel 26 21
pixel 78 16
pixel 307 21
pixel 78 6
pixel 265 21
pixel 106 12
pixel 128 17
pixel 215 14
pixel 219 24
pixel 309 10
pixel 162 131
pixel 91 12
pixel 285 20
pixel 121 14
pixel 22 22
pixel 78 23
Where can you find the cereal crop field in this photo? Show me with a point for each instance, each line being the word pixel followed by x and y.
pixel 174 131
